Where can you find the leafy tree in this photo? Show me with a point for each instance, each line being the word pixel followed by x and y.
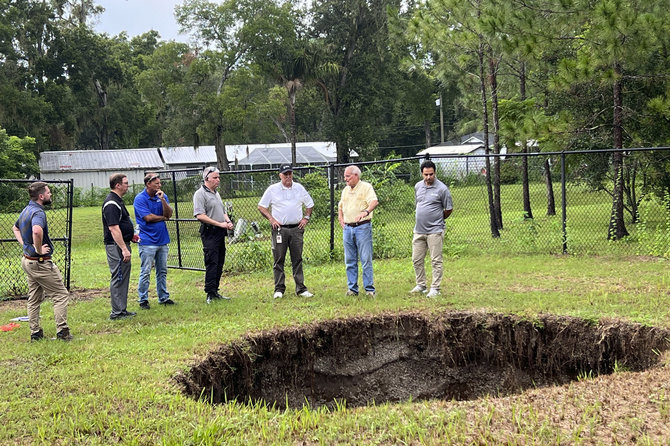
pixel 616 36
pixel 353 35
pixel 231 30
pixel 455 31
pixel 17 157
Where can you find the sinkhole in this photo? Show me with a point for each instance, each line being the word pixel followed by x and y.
pixel 395 357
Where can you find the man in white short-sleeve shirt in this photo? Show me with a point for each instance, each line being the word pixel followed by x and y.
pixel 282 204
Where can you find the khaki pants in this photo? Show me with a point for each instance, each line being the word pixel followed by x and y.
pixel 45 280
pixel 421 244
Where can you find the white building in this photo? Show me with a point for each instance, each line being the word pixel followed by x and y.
pixel 249 156
pixel 92 168
pixel 454 160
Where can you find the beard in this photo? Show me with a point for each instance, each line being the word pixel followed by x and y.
pixel 46 202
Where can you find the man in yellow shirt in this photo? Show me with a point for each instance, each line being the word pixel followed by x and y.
pixel 355 216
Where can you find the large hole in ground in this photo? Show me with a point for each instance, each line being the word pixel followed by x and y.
pixel 456 355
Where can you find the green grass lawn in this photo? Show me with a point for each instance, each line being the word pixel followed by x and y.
pixel 114 383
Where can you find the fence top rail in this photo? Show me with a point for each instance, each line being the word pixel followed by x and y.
pixel 20 180
pixel 198 170
pixel 409 158
pixel 515 154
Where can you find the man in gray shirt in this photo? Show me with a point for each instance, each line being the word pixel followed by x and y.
pixel 214 225
pixel 433 206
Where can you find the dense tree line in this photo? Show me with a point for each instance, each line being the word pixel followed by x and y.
pixel 563 74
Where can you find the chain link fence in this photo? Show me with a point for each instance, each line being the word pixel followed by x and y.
pixel 568 208
pixel 13 198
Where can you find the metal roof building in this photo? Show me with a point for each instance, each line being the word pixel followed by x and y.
pixel 269 157
pixel 93 167
pixel 247 156
pixel 461 166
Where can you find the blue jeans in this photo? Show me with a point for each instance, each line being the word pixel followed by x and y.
pixel 358 243
pixel 149 254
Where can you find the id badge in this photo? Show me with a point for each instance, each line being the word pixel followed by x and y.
pixel 278 238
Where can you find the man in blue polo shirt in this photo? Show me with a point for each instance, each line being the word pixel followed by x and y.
pixel 44 277
pixel 152 210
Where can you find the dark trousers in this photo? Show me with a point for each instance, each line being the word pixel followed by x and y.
pixel 214 248
pixel 292 239
pixel 118 284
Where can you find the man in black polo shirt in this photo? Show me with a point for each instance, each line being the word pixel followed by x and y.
pixel 118 233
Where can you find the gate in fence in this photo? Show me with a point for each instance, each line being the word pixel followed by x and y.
pixel 565 206
pixel 13 198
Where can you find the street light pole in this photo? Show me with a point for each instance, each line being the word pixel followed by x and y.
pixel 439 103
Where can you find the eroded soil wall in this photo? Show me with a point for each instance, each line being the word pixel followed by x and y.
pixel 457 355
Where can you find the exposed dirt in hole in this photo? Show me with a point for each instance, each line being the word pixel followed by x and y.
pixel 394 357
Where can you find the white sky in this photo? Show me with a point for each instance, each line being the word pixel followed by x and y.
pixel 139 16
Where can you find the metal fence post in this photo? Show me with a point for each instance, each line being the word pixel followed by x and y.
pixel 68 247
pixel 564 204
pixel 176 216
pixel 331 178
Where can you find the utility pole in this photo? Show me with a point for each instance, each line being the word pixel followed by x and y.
pixel 438 102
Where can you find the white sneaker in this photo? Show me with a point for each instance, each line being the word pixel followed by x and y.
pixel 418 289
pixel 306 294
pixel 277 295
pixel 433 293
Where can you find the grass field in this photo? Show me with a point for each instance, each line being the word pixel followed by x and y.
pixel 115 382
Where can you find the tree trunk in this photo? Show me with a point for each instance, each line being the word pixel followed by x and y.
pixel 291 114
pixel 103 136
pixel 426 130
pixel 493 78
pixel 551 203
pixel 485 119
pixel 527 211
pixel 220 149
pixel 630 189
pixel 617 228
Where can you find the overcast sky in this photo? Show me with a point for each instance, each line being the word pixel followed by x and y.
pixel 139 16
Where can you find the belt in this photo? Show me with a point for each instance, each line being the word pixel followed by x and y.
pixel 39 259
pixel 290 226
pixel 353 225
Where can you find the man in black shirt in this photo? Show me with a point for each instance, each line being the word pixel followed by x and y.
pixel 118 233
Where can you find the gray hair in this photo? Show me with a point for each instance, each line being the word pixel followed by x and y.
pixel 353 169
pixel 207 171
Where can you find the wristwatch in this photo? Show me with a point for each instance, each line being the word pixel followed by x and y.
pixel 306 217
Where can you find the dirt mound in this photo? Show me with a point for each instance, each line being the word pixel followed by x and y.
pixel 456 355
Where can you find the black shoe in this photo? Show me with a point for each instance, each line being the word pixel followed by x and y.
pixel 37 336
pixel 221 296
pixel 144 305
pixel 123 315
pixel 64 335
pixel 166 302
pixel 211 297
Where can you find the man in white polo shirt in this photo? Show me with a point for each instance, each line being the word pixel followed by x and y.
pixel 286 200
